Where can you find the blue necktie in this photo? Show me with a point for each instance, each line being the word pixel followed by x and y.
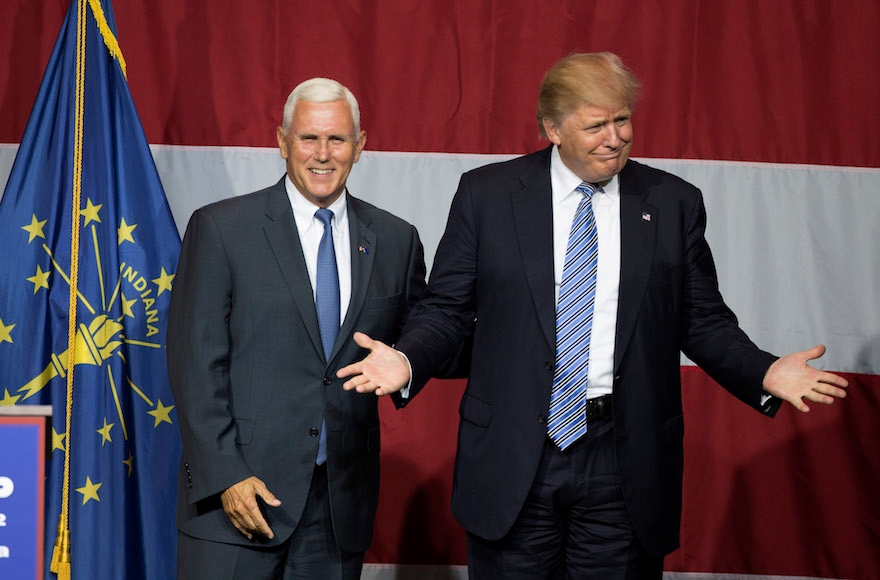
pixel 327 305
pixel 574 321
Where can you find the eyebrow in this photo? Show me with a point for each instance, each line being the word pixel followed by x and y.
pixel 314 136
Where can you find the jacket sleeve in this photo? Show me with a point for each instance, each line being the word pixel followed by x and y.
pixel 198 344
pixel 712 337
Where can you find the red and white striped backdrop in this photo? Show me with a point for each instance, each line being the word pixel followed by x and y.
pixel 770 106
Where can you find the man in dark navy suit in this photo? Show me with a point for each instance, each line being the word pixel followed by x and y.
pixel 604 499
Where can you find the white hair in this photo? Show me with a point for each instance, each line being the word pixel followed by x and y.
pixel 320 90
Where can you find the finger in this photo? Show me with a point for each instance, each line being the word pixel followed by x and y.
pixel 240 525
pixel 832 379
pixel 261 525
pixel 354 382
pixel 366 386
pixel 818 397
pixel 799 404
pixel 830 391
pixel 350 370
pixel 250 519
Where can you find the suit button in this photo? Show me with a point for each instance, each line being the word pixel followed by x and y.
pixel 548 366
pixel 313 432
pixel 327 380
pixel 542 419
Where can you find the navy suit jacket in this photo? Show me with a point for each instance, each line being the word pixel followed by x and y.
pixel 493 277
pixel 248 370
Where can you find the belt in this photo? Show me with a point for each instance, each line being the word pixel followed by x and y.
pixel 598 408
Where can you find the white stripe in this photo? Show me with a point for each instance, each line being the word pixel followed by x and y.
pixel 401 572
pixel 795 245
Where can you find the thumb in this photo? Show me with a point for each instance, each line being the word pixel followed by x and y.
pixel 268 496
pixel 364 341
pixel 815 352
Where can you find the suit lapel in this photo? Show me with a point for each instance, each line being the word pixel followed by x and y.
pixel 638 233
pixel 283 237
pixel 363 245
pixel 533 220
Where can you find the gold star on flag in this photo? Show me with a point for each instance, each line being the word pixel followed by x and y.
pixel 164 281
pixel 8 400
pixel 89 491
pixel 130 463
pixel 5 332
pixel 126 306
pixel 90 212
pixel 35 229
pixel 40 279
pixel 58 440
pixel 123 233
pixel 105 432
pixel 161 413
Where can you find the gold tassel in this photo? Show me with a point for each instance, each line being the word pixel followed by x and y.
pixel 61 555
pixel 64 572
pixel 56 553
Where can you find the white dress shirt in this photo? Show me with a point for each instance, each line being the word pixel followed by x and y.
pixel 606 209
pixel 311 230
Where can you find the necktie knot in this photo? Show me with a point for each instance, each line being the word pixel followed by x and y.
pixel 324 215
pixel 587 188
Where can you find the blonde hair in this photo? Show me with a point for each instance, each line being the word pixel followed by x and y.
pixel 599 79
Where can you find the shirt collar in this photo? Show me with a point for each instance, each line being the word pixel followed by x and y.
pixel 563 181
pixel 304 210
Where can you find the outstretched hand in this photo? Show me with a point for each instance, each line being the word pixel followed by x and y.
pixel 383 371
pixel 791 379
pixel 240 504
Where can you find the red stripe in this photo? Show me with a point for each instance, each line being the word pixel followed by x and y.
pixel 794 495
pixel 776 81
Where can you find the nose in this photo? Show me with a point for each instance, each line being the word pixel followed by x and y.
pixel 612 136
pixel 322 152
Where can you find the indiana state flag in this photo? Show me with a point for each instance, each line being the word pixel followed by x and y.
pixel 88 250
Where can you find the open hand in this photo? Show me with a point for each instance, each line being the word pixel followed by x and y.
pixel 790 378
pixel 383 371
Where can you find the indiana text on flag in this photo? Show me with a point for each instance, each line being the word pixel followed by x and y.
pixel 89 249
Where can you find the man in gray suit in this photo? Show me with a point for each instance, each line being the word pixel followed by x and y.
pixel 280 469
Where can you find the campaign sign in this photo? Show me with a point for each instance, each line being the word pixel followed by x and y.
pixel 22 463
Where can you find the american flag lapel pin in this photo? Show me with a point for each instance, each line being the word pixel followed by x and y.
pixel 646 216
pixel 364 250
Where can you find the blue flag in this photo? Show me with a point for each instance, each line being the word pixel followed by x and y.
pixel 84 157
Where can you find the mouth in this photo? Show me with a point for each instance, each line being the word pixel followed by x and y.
pixel 321 171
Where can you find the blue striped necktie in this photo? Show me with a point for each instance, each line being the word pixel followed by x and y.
pixel 327 305
pixel 574 321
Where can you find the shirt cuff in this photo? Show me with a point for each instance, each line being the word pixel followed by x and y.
pixel 404 392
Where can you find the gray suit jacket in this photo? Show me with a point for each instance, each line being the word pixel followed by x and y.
pixel 248 370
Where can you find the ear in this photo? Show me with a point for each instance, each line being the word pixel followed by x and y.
pixel 552 130
pixel 359 146
pixel 282 142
